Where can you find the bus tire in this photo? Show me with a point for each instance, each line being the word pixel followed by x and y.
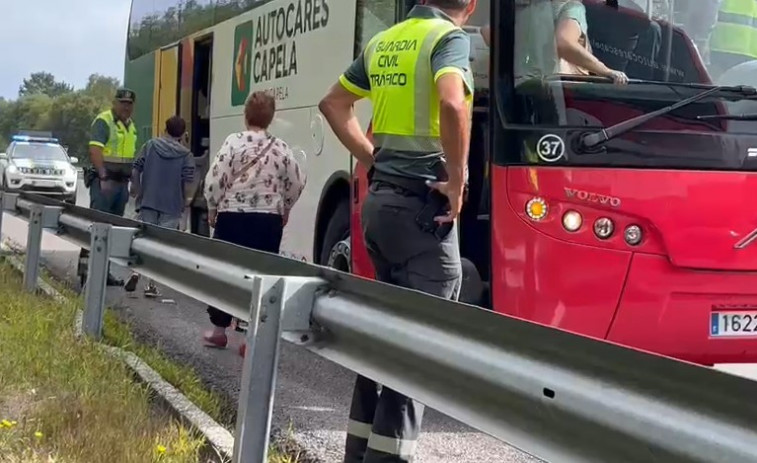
pixel 336 251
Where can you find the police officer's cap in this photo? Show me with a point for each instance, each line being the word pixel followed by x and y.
pixel 126 95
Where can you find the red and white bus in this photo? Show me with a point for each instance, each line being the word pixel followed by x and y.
pixel 646 239
pixel 641 233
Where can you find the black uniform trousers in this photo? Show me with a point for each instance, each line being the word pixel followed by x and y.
pixel 384 425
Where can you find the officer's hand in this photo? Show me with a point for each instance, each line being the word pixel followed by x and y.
pixel 454 194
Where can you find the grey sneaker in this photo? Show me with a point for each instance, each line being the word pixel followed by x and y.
pixel 152 291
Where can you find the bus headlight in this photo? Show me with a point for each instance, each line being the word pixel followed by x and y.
pixel 572 221
pixel 633 235
pixel 603 228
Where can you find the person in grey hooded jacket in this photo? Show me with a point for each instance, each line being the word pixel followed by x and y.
pixel 161 180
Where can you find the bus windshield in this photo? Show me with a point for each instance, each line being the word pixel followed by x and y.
pixel 561 64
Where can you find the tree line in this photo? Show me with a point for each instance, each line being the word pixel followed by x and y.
pixel 46 104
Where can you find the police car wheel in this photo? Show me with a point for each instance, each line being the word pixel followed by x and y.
pixel 335 251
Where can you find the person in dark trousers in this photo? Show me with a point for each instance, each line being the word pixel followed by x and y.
pixel 418 79
pixel 112 145
pixel 161 179
pixel 251 188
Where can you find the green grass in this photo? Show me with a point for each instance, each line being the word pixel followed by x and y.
pixel 118 333
pixel 66 400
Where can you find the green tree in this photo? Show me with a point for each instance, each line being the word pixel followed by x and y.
pixel 43 83
pixel 67 114
pixel 101 88
pixel 71 116
pixel 33 112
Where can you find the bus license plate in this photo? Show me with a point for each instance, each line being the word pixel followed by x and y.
pixel 731 324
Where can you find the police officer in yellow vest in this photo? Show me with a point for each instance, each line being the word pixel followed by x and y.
pixel 417 77
pixel 112 147
pixel 734 40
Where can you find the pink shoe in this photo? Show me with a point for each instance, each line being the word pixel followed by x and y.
pixel 215 340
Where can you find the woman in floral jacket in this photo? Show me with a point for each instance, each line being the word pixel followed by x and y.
pixel 251 187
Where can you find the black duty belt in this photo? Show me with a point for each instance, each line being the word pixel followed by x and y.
pixel 404 185
pixel 118 176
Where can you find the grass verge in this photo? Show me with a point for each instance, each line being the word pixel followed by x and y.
pixel 66 400
pixel 117 333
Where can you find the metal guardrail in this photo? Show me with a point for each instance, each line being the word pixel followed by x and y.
pixel 562 397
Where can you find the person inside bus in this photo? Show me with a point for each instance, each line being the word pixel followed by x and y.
pixel 572 43
pixel 251 187
pixel 620 30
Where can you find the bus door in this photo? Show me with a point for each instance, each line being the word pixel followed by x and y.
pixel 166 101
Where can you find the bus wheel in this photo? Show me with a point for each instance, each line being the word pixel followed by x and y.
pixel 336 250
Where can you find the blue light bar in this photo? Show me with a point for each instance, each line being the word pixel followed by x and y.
pixel 27 138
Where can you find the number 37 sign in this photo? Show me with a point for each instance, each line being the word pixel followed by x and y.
pixel 550 148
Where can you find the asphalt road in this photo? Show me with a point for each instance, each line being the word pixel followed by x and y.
pixel 312 394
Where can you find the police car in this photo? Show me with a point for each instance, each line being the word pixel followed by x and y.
pixel 38 165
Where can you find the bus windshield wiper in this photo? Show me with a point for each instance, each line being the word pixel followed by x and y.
pixel 729 117
pixel 597 138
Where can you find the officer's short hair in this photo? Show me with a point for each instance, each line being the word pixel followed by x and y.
pixel 449 4
pixel 175 126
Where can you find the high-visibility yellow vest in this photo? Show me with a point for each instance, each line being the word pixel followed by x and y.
pixel 403 93
pixel 122 141
pixel 736 30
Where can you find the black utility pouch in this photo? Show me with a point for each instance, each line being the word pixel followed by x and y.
pixel 436 205
pixel 90 175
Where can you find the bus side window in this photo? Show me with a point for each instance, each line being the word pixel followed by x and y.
pixel 373 16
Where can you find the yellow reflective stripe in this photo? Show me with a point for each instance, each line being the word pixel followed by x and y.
pixel 448 70
pixel 453 70
pixel 734 38
pixel 392 445
pixel 359 429
pixel 96 143
pixel 352 88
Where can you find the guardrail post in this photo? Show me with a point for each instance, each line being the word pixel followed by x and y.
pixel 259 372
pixel 97 277
pixel 2 213
pixel 33 247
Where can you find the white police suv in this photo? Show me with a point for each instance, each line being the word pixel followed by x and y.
pixel 38 165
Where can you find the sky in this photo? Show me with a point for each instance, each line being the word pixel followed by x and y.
pixel 69 38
